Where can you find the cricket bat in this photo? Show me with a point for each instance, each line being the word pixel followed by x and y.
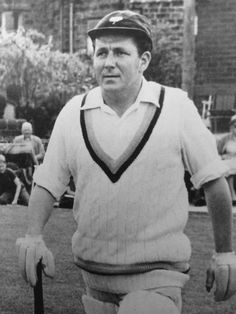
pixel 38 291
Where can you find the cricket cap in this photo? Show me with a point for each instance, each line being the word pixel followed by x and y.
pixel 126 21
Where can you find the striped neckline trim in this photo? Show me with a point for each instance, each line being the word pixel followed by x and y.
pixel 114 168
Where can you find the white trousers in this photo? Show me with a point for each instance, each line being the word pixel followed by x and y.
pixel 138 302
pixel 155 292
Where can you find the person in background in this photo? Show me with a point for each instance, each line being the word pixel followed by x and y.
pixel 12 189
pixel 26 137
pixel 127 143
pixel 227 150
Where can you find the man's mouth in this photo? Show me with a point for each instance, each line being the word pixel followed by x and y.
pixel 110 76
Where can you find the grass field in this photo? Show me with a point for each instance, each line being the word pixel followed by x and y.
pixel 63 294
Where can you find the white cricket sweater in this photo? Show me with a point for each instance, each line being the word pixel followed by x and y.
pixel 130 210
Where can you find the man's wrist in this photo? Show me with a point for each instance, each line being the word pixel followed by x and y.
pixel 36 238
pixel 28 235
pixel 222 258
pixel 223 254
pixel 31 233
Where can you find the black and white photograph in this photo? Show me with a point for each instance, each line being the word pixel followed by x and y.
pixel 117 156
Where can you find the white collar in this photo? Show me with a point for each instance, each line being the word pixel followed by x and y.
pixel 149 93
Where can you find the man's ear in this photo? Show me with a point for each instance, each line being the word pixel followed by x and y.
pixel 145 60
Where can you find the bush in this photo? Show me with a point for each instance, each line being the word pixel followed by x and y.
pixel 45 78
pixel 165 66
pixel 28 60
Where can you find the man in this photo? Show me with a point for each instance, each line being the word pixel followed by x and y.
pixel 28 137
pixel 127 144
pixel 11 188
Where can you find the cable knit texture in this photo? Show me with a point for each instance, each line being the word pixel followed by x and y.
pixel 141 217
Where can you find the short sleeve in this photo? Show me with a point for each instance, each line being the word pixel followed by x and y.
pixel 53 174
pixel 198 146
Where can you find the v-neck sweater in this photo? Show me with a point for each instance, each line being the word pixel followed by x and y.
pixel 131 209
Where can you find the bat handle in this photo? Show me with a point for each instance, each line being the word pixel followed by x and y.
pixel 38 291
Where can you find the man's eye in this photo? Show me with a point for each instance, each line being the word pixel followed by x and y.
pixel 101 53
pixel 120 53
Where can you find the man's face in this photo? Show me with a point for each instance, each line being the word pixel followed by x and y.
pixel 27 133
pixel 117 64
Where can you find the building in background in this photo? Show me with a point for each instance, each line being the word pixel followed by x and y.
pixel 11 14
pixel 68 20
pixel 206 29
pixel 215 59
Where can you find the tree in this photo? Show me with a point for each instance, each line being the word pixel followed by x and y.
pixel 28 61
pixel 166 63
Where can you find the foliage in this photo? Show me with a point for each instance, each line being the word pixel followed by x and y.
pixel 27 60
pixel 47 78
pixel 165 66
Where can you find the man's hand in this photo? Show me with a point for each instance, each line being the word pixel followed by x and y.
pixel 222 270
pixel 30 250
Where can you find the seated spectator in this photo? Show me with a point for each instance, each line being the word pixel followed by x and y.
pixel 227 149
pixel 12 190
pixel 26 137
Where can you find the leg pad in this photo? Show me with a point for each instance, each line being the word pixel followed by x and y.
pixel 140 302
pixel 92 306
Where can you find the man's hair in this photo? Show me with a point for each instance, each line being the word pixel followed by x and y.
pixel 26 126
pixel 142 44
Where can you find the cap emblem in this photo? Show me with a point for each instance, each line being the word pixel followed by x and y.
pixel 115 19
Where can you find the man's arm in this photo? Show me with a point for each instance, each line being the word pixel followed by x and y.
pixel 17 192
pixel 222 268
pixel 40 151
pixel 32 248
pixel 40 209
pixel 219 205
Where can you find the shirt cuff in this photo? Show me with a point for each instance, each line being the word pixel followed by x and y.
pixel 212 171
pixel 53 185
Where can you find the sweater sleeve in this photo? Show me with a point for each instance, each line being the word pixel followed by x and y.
pixel 199 148
pixel 53 174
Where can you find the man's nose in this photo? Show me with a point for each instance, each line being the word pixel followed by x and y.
pixel 110 60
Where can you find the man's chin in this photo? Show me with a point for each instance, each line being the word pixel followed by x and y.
pixel 110 87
